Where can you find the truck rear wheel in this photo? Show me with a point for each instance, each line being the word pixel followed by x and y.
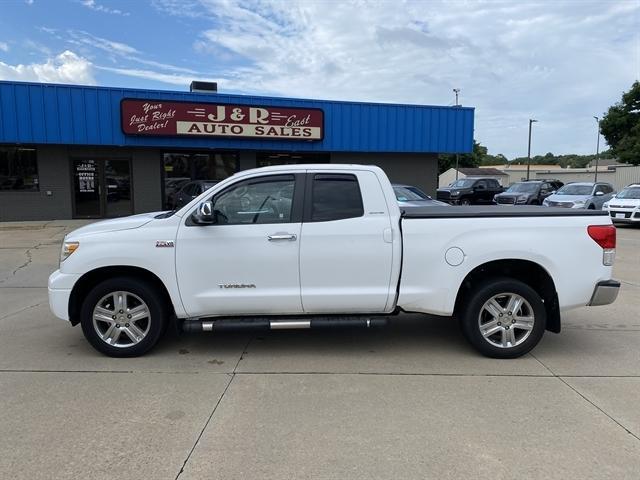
pixel 123 317
pixel 503 318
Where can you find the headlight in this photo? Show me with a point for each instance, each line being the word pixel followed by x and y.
pixel 455 193
pixel 522 199
pixel 67 249
pixel 579 203
pixel 545 202
pixel 605 205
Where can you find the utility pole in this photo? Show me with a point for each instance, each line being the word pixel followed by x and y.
pixel 531 121
pixel 456 91
pixel 597 148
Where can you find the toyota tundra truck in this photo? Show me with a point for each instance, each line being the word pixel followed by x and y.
pixel 317 246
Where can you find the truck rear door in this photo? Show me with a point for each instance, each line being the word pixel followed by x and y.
pixel 346 247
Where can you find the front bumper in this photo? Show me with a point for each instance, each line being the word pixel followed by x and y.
pixel 619 215
pixel 59 287
pixel 605 293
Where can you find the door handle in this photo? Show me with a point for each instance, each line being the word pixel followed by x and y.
pixel 282 236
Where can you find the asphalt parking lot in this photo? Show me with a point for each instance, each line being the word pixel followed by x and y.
pixel 408 401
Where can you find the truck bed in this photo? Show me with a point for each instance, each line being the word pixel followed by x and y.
pixel 496 211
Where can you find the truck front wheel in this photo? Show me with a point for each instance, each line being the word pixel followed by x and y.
pixel 503 318
pixel 123 317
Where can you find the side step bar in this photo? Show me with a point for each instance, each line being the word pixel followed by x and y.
pixel 265 323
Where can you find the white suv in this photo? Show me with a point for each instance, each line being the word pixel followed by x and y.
pixel 625 206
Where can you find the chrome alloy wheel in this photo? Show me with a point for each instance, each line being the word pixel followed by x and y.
pixel 506 320
pixel 121 319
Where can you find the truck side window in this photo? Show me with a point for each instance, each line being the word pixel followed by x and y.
pixel 335 197
pixel 259 200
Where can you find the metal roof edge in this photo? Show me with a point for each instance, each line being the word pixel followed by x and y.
pixel 231 96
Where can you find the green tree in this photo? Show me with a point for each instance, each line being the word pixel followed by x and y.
pixel 621 126
pixel 465 160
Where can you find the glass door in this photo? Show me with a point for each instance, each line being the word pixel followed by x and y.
pixel 101 188
pixel 86 188
pixel 117 175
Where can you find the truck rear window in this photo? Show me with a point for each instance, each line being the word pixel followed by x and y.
pixel 335 197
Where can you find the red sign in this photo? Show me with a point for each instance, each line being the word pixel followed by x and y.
pixel 160 118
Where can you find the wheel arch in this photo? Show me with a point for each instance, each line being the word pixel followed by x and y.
pixel 526 271
pixel 92 278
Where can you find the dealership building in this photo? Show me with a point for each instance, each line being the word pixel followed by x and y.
pixel 71 151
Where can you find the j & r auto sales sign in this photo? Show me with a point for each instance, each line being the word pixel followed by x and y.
pixel 159 118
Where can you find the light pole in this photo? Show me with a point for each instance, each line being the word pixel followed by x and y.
pixel 597 148
pixel 456 91
pixel 531 121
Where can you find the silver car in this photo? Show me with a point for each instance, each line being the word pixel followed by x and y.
pixel 587 195
pixel 410 196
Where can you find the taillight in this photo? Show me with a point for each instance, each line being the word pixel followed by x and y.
pixel 605 236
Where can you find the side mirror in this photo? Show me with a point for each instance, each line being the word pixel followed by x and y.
pixel 204 215
pixel 599 194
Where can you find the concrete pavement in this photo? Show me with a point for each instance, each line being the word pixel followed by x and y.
pixel 408 401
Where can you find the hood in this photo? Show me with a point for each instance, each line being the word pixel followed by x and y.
pixel 115 224
pixel 567 198
pixel 625 202
pixel 514 194
pixel 423 203
pixel 449 189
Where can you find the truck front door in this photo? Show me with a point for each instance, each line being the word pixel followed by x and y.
pixel 246 263
pixel 346 247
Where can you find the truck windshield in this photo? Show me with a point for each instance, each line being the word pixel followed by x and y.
pixel 462 183
pixel 630 193
pixel 523 187
pixel 575 190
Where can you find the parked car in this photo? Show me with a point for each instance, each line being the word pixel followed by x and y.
pixel 624 207
pixel 587 195
pixel 410 196
pixel 526 193
pixel 317 246
pixel 470 191
pixel 171 188
pixel 191 190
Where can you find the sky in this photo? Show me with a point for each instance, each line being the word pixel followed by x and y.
pixel 560 62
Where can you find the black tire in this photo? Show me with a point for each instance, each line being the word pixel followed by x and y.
pixel 465 201
pixel 473 314
pixel 153 325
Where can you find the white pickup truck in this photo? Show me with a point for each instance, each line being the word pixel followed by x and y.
pixel 306 246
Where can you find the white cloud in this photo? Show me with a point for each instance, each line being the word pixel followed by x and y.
pixel 81 37
pixel 4 46
pixel 66 67
pixel 93 5
pixel 560 62
pixel 169 78
pixel 116 50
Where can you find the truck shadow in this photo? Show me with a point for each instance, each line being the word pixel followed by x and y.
pixel 404 335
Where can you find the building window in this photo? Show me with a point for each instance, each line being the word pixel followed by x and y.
pixel 182 167
pixel 270 159
pixel 18 169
